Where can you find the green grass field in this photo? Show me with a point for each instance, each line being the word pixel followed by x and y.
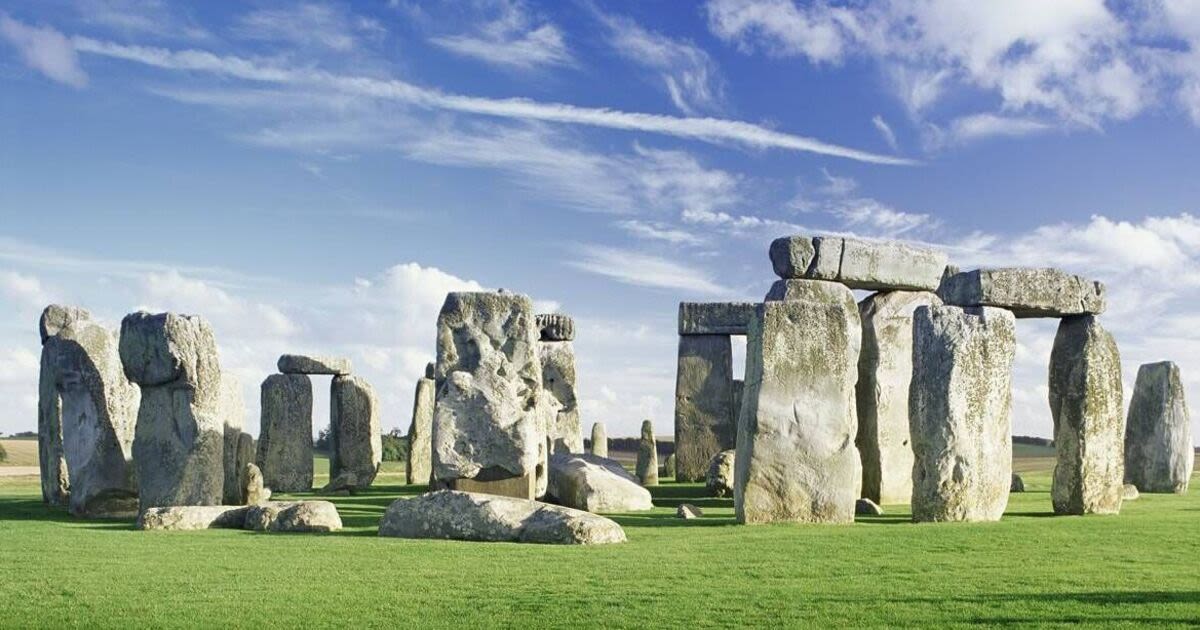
pixel 1030 569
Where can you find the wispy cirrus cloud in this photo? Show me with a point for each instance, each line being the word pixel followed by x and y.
pixel 45 50
pixel 645 270
pixel 511 39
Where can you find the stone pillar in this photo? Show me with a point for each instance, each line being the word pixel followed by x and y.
pixel 884 373
pixel 796 459
pixel 285 442
pixel 599 440
pixel 420 431
pixel 1158 434
pixel 960 412
pixel 355 442
pixel 233 416
pixel 647 456
pixel 1089 426
pixel 557 355
pixel 488 427
pixel 179 442
pixel 705 423
pixel 87 412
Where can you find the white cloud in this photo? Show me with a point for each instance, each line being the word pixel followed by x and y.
pixel 782 28
pixel 645 270
pixel 885 130
pixel 658 231
pixel 24 290
pixel 513 39
pixel 45 50
pixel 980 126
pixel 155 18
pixel 307 24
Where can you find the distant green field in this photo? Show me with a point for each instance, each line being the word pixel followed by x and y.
pixel 1030 569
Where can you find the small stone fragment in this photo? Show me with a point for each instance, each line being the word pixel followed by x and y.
pixel 1017 485
pixel 304 364
pixel 555 327
pixel 688 511
pixel 253 491
pixel 867 507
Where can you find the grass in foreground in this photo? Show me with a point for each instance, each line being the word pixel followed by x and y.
pixel 1031 568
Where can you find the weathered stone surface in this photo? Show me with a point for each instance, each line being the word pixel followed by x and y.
pixel 960 406
pixel 647 456
pixel 867 507
pixel 1158 433
pixel 86 416
pixel 705 420
pixel 293 516
pixel 719 478
pixel 246 455
pixel 858 264
pixel 1017 484
pixel 796 459
pixel 179 443
pixel 1089 420
pixel 715 318
pixel 489 421
pixel 884 373
pixel 285 443
pixel 420 433
pixel 1129 492
pixel 57 317
pixel 595 484
pixel 559 382
pixel 818 291
pixel 253 492
pixel 192 517
pixel 355 442
pixel 599 440
pixel 447 514
pixel 668 467
pixel 739 388
pixel 304 364
pixel 555 327
pixel 1027 292
pixel 688 511
pixel 233 415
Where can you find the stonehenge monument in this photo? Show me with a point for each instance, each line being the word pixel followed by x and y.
pixel 179 441
pixel 557 355
pixel 420 442
pixel 647 456
pixel 355 439
pixel 599 440
pixel 1026 292
pixel 233 413
pixel 1158 434
pixel 960 412
pixel 87 411
pixel 488 429
pixel 285 442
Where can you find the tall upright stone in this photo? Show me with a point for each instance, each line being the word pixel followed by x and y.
pixel 233 416
pixel 355 441
pixel 1158 434
pixel 179 442
pixel 796 459
pixel 489 426
pixel 87 410
pixel 599 440
pixel 285 442
pixel 884 374
pixel 420 431
pixel 960 412
pixel 705 422
pixel 647 456
pixel 1089 423
pixel 559 381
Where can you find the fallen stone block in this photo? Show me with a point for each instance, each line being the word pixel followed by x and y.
pixel 305 364
pixel 447 514
pixel 688 511
pixel 297 516
pixel 595 484
pixel 192 517
pixel 1027 292
pixel 858 264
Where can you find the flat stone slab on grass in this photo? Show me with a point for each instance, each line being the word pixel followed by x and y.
pixel 293 516
pixel 448 514
pixel 595 484
pixel 858 264
pixel 1026 291
pixel 192 517
pixel 715 318
pixel 304 364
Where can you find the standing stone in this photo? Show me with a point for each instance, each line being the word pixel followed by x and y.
pixel 420 431
pixel 668 467
pixel 355 442
pixel 647 456
pixel 1089 423
pixel 960 412
pixel 1158 435
pixel 884 373
pixel 489 418
pixel 285 442
pixel 252 490
pixel 739 388
pixel 719 481
pixel 233 415
pixel 179 443
pixel 87 412
pixel 557 355
pixel 599 440
pixel 1017 485
pixel 705 423
pixel 796 459
pixel 245 455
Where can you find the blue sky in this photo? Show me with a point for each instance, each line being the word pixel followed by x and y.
pixel 314 177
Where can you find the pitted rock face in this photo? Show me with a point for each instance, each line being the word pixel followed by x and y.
pixel 1089 423
pixel 87 412
pixel 303 364
pixel 555 327
pixel 647 456
pixel 192 517
pixel 1027 292
pixel 858 264
pixel 559 387
pixel 285 444
pixel 489 417
pixel 448 514
pixel 57 317
pixel 233 412
pixel 420 432
pixel 293 516
pixel 165 348
pixel 705 415
pixel 1158 434
pixel 960 412
pixel 595 484
pixel 715 318
pixel 718 481
pixel 355 442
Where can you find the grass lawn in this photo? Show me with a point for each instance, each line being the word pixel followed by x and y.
pixel 1031 568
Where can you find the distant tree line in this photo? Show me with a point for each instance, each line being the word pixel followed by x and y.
pixel 395 444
